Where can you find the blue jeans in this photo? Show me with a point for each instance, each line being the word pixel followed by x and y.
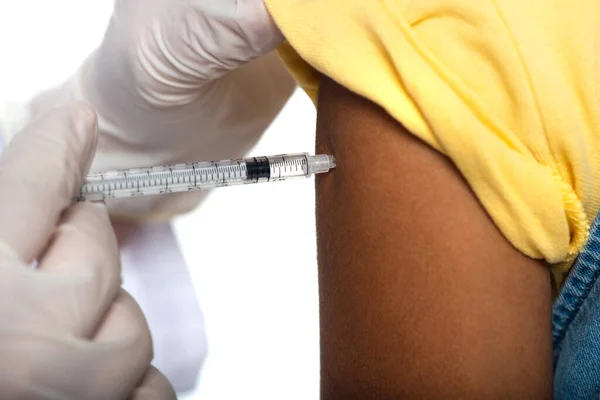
pixel 576 327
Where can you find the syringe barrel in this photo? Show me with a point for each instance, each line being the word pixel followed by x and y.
pixel 202 175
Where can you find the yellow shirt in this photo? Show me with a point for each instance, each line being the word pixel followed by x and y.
pixel 508 89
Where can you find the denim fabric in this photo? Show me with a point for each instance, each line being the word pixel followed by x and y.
pixel 576 327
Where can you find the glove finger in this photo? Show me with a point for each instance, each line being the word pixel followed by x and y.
pixel 82 261
pixel 40 173
pixel 189 45
pixel 125 331
pixel 258 26
pixel 154 386
pixel 41 365
pixel 233 32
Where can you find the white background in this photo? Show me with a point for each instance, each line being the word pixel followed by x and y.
pixel 251 249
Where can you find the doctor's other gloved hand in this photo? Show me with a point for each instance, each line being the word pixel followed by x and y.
pixel 67 329
pixel 179 81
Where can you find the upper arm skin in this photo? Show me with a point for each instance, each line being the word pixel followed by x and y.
pixel 421 297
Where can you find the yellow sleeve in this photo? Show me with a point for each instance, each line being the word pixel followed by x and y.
pixel 507 89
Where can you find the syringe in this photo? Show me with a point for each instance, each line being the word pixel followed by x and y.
pixel 202 175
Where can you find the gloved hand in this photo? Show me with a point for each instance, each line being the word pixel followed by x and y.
pixel 67 330
pixel 173 82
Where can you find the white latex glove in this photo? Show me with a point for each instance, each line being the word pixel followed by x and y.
pixel 67 330
pixel 167 87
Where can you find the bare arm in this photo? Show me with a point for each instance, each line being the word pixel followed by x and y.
pixel 421 296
